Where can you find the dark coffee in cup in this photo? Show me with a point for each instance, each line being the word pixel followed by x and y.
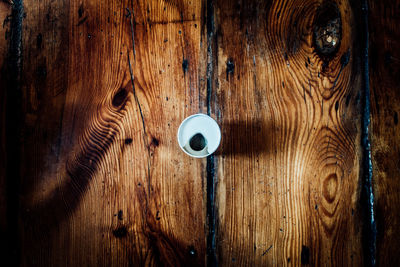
pixel 197 142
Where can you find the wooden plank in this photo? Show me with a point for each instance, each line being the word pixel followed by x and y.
pixel 5 12
pixel 385 110
pixel 288 102
pixel 104 182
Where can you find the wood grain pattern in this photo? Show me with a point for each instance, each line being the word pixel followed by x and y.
pixel 5 12
pixel 105 183
pixel 385 109
pixel 288 169
pixel 91 173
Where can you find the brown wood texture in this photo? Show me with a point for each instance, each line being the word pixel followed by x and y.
pixel 385 97
pixel 104 181
pixel 5 11
pixel 92 175
pixel 288 170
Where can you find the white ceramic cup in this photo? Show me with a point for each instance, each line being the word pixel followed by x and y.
pixel 199 135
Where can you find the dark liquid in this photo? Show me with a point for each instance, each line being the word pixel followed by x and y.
pixel 198 142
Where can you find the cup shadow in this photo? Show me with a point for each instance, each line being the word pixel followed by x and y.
pixel 246 138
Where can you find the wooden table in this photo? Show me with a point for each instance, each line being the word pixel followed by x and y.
pixel 307 97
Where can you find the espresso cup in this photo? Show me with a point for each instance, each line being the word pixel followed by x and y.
pixel 199 135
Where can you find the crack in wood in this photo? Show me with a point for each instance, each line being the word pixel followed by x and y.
pixel 211 236
pixel 266 251
pixel 131 15
pixel 145 139
pixel 367 194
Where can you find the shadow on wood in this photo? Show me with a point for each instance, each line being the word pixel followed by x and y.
pixel 244 138
pixel 103 131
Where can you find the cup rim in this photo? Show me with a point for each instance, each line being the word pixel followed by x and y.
pixel 180 129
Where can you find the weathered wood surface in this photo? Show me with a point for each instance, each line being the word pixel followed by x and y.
pixel 5 12
pixel 104 181
pixel 385 98
pixel 288 169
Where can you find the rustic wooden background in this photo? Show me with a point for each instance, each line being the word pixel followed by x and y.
pixel 92 93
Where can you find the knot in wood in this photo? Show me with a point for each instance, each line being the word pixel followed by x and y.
pixel 327 30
